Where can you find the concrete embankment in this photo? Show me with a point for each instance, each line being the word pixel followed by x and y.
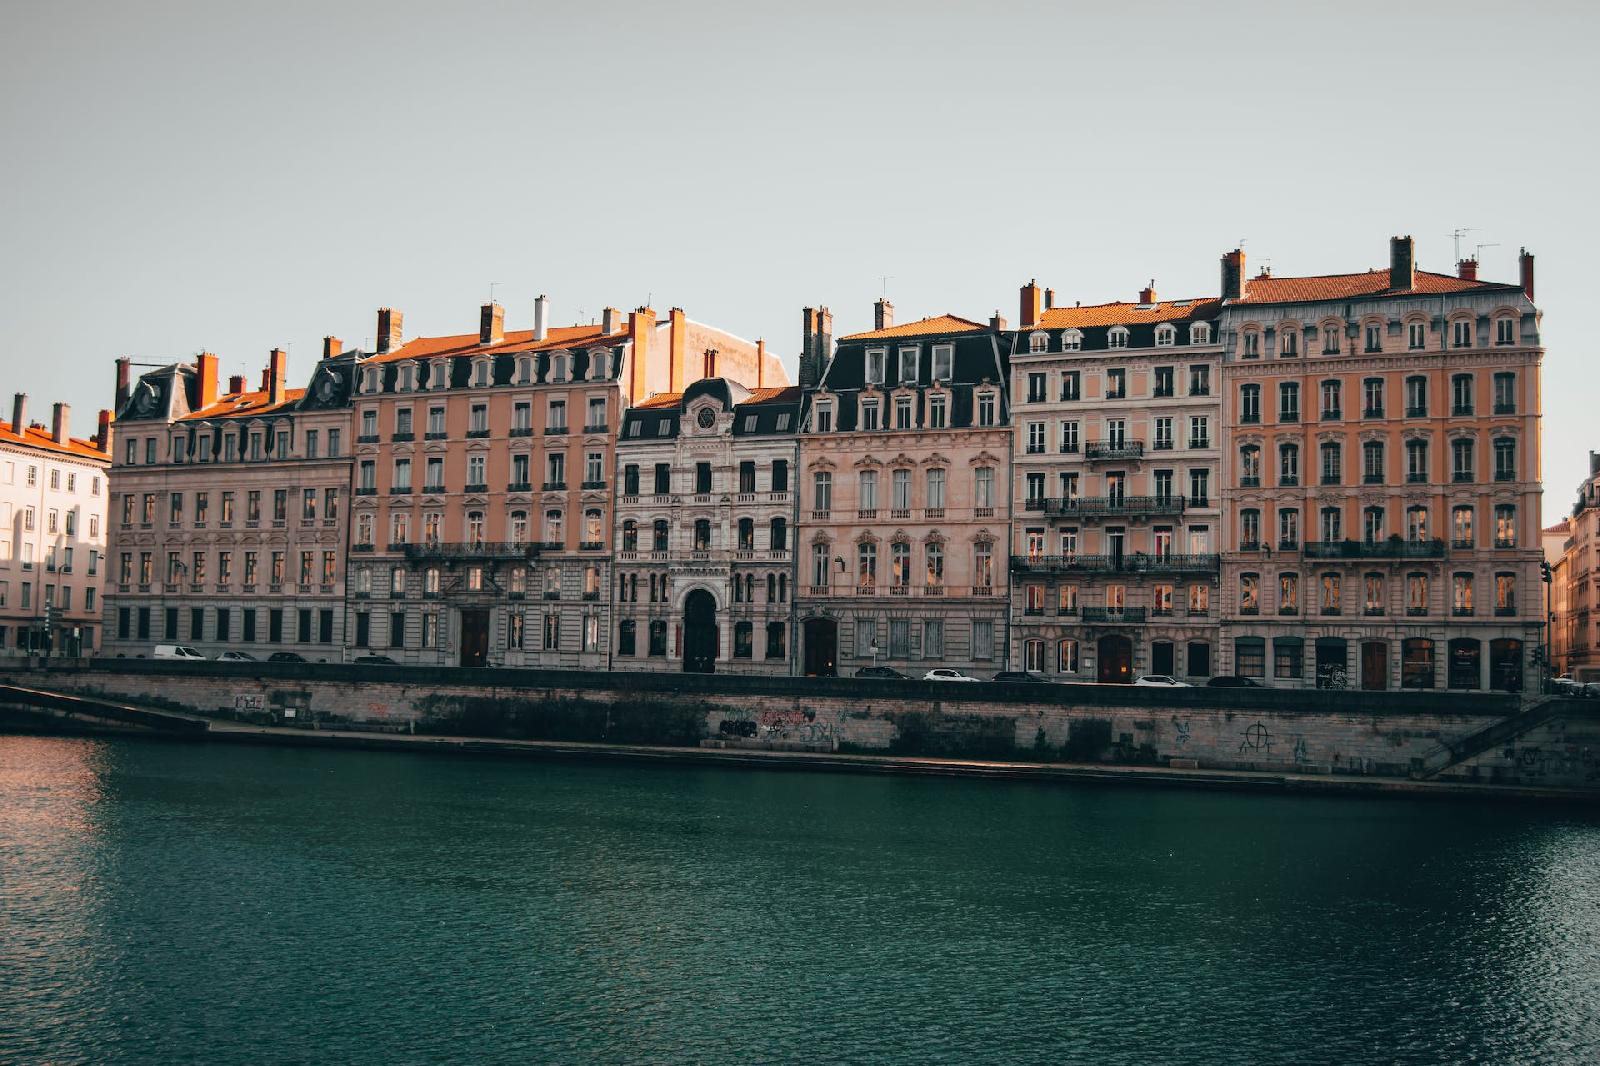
pixel 1294 739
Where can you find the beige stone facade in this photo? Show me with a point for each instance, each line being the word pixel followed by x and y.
pixel 905 501
pixel 1575 625
pixel 1116 415
pixel 53 492
pixel 229 508
pixel 1381 472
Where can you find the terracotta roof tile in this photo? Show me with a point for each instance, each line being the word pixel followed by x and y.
pixel 1128 314
pixel 39 437
pixel 244 405
pixel 780 394
pixel 1563 526
pixel 661 399
pixel 923 327
pixel 520 340
pixel 1270 290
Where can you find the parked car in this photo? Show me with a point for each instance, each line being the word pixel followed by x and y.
pixel 882 673
pixel 175 651
pixel 1591 690
pixel 1232 681
pixel 286 657
pixel 1160 681
pixel 1022 677
pixel 373 660
pixel 236 657
pixel 1565 686
pixel 944 673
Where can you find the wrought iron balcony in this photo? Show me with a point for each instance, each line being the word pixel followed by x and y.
pixel 1393 548
pixel 478 549
pixel 1136 563
pixel 1120 449
pixel 1091 506
pixel 1113 615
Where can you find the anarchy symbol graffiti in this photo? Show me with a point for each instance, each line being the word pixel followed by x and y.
pixel 1256 738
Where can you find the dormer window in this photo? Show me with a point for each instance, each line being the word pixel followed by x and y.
pixel 1118 337
pixel 875 360
pixel 439 378
pixel 1504 331
pixel 1166 336
pixel 1330 338
pixel 408 374
pixel 1038 342
pixel 558 367
pixel 1461 333
pixel 370 379
pixel 1288 343
pixel 597 365
pixel 909 358
pixel 480 373
pixel 1252 345
pixel 824 417
pixel 944 356
pixel 1200 333
pixel 524 370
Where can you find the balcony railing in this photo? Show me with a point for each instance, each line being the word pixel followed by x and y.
pixel 1113 615
pixel 1393 548
pixel 1088 506
pixel 485 549
pixel 1121 449
pixel 1137 563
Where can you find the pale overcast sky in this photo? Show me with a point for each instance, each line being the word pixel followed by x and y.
pixel 238 176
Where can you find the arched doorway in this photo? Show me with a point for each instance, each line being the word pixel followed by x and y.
pixel 822 647
pixel 700 637
pixel 1115 656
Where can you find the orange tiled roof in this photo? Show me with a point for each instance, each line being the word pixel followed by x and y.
pixel 778 394
pixel 1127 314
pixel 1563 526
pixel 243 405
pixel 921 328
pixel 519 340
pixel 1270 290
pixel 39 437
pixel 661 399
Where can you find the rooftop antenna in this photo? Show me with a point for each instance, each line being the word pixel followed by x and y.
pixel 1458 233
pixel 885 278
pixel 492 286
pixel 1477 253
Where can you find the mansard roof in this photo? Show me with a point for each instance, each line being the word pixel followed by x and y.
pixel 1265 289
pixel 938 325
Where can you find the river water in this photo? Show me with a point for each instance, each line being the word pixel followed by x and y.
pixel 176 903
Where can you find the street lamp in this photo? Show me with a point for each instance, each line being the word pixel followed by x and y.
pixel 1547 577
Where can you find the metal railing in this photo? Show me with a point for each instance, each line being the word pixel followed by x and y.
pixel 1393 548
pixel 1108 505
pixel 1137 563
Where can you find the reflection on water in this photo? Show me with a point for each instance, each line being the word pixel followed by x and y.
pixel 165 902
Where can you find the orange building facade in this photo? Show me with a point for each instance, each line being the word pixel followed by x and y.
pixel 1381 478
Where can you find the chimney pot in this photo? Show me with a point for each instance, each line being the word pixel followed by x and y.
pixel 609 318
pixel 1049 299
pixel 541 314
pixel 331 346
pixel 1029 311
pixel 19 413
pixel 1402 264
pixel 277 375
pixel 997 322
pixel 882 314
pixel 1147 295
pixel 102 437
pixel 58 423
pixel 390 329
pixel 491 324
pixel 206 370
pixel 1525 261
pixel 1467 269
pixel 761 363
pixel 236 384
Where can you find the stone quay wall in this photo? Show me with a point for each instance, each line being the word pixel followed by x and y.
pixel 1383 734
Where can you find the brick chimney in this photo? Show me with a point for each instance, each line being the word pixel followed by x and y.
pixel 390 323
pixel 1467 269
pixel 58 423
pixel 1029 311
pixel 1233 274
pixel 102 435
pixel 1147 295
pixel 1402 264
pixel 331 346
pixel 541 316
pixel 1049 299
pixel 277 374
pixel 206 372
pixel 997 321
pixel 124 380
pixel 235 384
pixel 19 413
pixel 708 366
pixel 641 328
pixel 675 353
pixel 761 363
pixel 491 324
pixel 882 314
pixel 609 320
pixel 1525 260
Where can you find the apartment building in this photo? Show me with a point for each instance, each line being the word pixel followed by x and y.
pixel 483 479
pixel 1575 577
pixel 1117 419
pixel 227 528
pixel 52 533
pixel 1381 489
pixel 705 520
pixel 905 509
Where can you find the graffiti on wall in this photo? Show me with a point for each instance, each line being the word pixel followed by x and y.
pixel 1182 737
pixel 1570 763
pixel 1256 739
pixel 793 727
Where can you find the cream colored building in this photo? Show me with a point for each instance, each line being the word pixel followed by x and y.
pixel 1576 585
pixel 53 495
pixel 705 520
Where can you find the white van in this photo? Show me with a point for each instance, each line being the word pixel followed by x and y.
pixel 176 651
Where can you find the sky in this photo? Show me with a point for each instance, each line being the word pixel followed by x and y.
pixel 235 177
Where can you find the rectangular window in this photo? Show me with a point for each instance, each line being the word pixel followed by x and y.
pixel 1116 383
pixel 1071 384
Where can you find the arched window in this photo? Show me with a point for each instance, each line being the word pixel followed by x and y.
pixel 1038 342
pixel 475 527
pixel 1166 336
pixel 780 535
pixel 519 527
pixel 702 534
pixel 747 534
pixel 1200 333
pixel 659 535
pixel 1330 338
pixel 558 367
pixel 1117 337
pixel 1071 340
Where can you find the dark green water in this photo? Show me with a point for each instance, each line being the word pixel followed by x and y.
pixel 168 903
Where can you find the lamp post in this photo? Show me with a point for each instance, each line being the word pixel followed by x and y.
pixel 1547 577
